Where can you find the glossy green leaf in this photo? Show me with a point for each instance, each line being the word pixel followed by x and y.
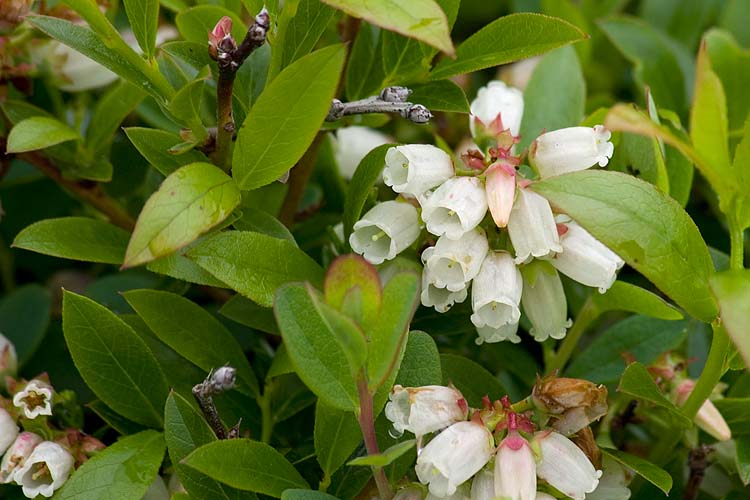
pixel 419 19
pixel 351 274
pixel 472 379
pixel 440 95
pixel 113 360
pixel 734 411
pixel 120 424
pixel 647 470
pixel 643 338
pixel 143 16
pixel 180 267
pixel 297 494
pixel 364 72
pixel 636 381
pixel 196 22
pixel 731 63
pixel 246 465
pixel 655 62
pixel 387 336
pixel 555 95
pixel 114 55
pixel 364 178
pixel 248 313
pixel 645 227
pixel 259 221
pixel 337 435
pixel 507 39
pixel 314 347
pixel 421 362
pixel 623 296
pixel 192 332
pixel 124 469
pixel 286 117
pixel 186 104
pixel 386 457
pixel 109 113
pixel 732 290
pixel 25 317
pixel 192 200
pixel 741 169
pixel 644 158
pixel 193 53
pixel 76 238
pixel 155 144
pixel 254 264
pixel 39 132
pixel 349 336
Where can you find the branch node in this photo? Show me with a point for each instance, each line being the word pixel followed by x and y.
pixel 389 100
pixel 217 381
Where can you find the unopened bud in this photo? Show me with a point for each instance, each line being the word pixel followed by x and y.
pixel 708 417
pixel 223 378
pixel 417 113
pixel 575 402
pixel 395 94
pixel 220 40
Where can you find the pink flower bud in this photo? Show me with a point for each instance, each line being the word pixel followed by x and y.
pixel 501 191
pixel 708 417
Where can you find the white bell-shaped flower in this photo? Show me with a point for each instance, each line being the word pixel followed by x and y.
pixel 500 182
pixel 492 335
pixel 426 409
pixel 454 208
pixel 483 485
pixel 544 301
pixel 454 456
pixel 385 231
pixel 515 469
pixel 564 466
pixel 17 454
pixel 416 168
pixel 8 359
pixel 540 495
pixel 496 292
pixel 585 259
pixel 35 399
pixel 532 227
pixel 351 144
pixel 454 263
pixel 45 470
pixel 496 98
pixel 8 430
pixel 441 299
pixel 570 149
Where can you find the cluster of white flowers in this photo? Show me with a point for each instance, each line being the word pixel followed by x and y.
pixel 471 248
pixel 515 462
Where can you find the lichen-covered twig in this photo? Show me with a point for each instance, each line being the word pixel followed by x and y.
pixel 390 100
pixel 217 381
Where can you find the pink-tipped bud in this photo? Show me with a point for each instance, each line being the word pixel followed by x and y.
pixel 220 40
pixel 222 29
pixel 501 191
pixel 708 417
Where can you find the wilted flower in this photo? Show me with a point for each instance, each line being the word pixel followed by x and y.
pixel 570 149
pixel 385 231
pixel 8 359
pixel 35 399
pixel 492 335
pixel 12 12
pixel 493 100
pixel 45 470
pixel 454 456
pixel 441 299
pixel 575 403
pixel 564 466
pixel 454 208
pixel 532 228
pixel 415 168
pixel 453 263
pixel 544 301
pixel 500 183
pixel 8 430
pixel 584 259
pixel 496 292
pixel 425 409
pixel 17 454
pixel 483 485
pixel 708 417
pixel 515 469
pixel 351 144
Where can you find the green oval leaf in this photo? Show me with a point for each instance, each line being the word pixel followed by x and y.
pixel 420 19
pixel 24 318
pixel 76 238
pixel 387 457
pixel 337 434
pixel 732 290
pixel 508 39
pixel 284 120
pixel 648 471
pixel 155 144
pixel 254 264
pixel 637 382
pixel 297 494
pixel 192 200
pixel 124 469
pixel 472 379
pixel 143 16
pixel 113 360
pixel 39 132
pixel 441 95
pixel 623 296
pixel 246 465
pixel 645 227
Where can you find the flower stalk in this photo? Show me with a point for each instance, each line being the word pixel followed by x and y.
pixel 366 419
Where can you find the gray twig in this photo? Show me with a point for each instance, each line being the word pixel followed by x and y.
pixel 390 100
pixel 217 381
